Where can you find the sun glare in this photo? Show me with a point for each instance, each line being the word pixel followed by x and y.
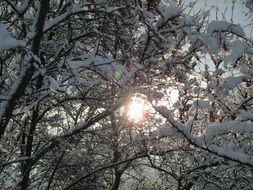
pixel 136 110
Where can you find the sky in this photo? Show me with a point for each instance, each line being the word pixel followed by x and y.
pixel 224 10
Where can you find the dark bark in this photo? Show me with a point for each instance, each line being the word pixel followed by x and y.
pixel 28 164
pixel 35 48
pixel 116 182
pixel 54 171
pixel 104 168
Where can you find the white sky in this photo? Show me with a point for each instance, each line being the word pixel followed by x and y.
pixel 223 9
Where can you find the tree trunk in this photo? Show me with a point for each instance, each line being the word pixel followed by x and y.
pixel 35 49
pixel 25 179
pixel 116 181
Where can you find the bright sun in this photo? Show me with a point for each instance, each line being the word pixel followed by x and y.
pixel 136 110
pixel 139 109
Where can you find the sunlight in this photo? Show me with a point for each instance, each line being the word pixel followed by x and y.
pixel 136 110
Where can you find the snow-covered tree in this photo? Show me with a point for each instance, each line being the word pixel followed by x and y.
pixel 70 69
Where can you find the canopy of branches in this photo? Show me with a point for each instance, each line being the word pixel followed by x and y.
pixel 70 70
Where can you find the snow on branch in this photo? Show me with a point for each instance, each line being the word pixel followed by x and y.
pixel 106 65
pixel 224 26
pixel 74 9
pixel 203 141
pixel 23 6
pixel 8 42
pixel 11 96
pixel 233 126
